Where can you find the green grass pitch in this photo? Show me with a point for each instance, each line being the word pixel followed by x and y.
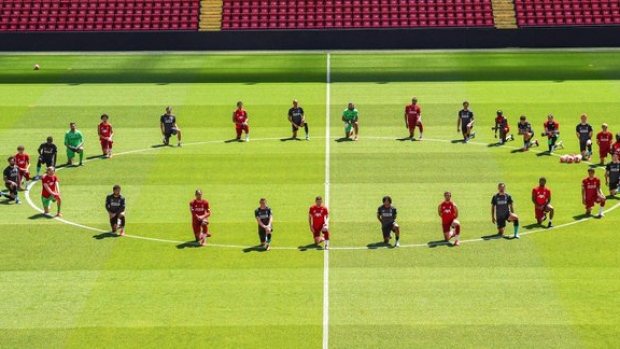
pixel 72 286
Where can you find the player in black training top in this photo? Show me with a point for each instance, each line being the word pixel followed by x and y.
pixel 297 118
pixel 584 134
pixel 47 155
pixel 386 214
pixel 115 205
pixel 10 175
pixel 169 127
pixel 612 174
pixel 264 218
pixel 525 129
pixel 465 122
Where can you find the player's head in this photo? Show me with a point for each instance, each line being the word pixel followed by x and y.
pixel 295 103
pixel 387 201
pixel 584 118
pixel 618 137
pixel 116 189
pixel 501 187
pixel 550 117
pixel 590 172
pixel 50 139
pixel 50 170
pixel 198 193
pixel 465 104
pixel 239 105
pixel 351 106
pixel 72 126
pixel 414 100
pixel 615 157
pixel 318 200
pixel 11 160
pixel 522 119
pixel 20 149
pixel 262 202
pixel 104 117
pixel 168 110
pixel 447 195
pixel 604 127
pixel 500 113
pixel 542 181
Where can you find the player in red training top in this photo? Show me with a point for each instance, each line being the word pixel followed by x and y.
pixel 318 217
pixel 413 117
pixel 240 118
pixel 591 193
pixel 604 139
pixel 615 148
pixel 105 135
pixel 501 125
pixel 22 161
pixel 541 197
pixel 200 210
pixel 449 212
pixel 552 131
pixel 50 192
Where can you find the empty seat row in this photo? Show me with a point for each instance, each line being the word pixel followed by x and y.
pixel 567 12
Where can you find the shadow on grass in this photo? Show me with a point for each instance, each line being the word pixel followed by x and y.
pixel 290 139
pixel 233 140
pixel 532 226
pixel 344 139
pixel 406 139
pixel 189 244
pixel 520 150
pixel 581 216
pixel 40 216
pixel 544 153
pixel 96 157
pixel 158 146
pixel 454 141
pixel 257 248
pixel 311 246
pixel 492 237
pixel 433 244
pixel 106 235
pixel 378 245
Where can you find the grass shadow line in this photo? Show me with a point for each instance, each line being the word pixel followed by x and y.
pixel 106 235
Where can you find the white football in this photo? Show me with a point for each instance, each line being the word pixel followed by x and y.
pixel 589 142
pixel 563 158
pixel 36 67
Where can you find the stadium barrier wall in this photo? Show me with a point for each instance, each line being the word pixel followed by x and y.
pixel 375 39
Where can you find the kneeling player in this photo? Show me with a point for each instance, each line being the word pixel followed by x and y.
pixel 240 118
pixel 612 174
pixel 10 175
pixel 22 160
pixel 386 214
pixel 525 129
pixel 448 211
pixel 465 122
pixel 264 218
pixel 168 126
pixel 318 218
pixel 200 210
pixel 591 193
pixel 105 136
pixel 502 211
pixel 47 155
pixel 552 131
pixel 604 139
pixel 115 205
pixel 501 125
pixel 541 197
pixel 51 191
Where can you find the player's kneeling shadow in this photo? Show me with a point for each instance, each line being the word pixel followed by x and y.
pixel 406 139
pixel 583 216
pixel 543 153
pixel 233 140
pixel 378 245
pixel 158 145
pixel 106 235
pixel 344 139
pixel 533 226
pixel 189 244
pixel 256 248
pixel 519 150
pixel 494 237
pixel 496 144
pixel 309 247
pixel 290 139
pixel 454 141
pixel 433 244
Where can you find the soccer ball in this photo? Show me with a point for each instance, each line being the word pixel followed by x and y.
pixel 563 158
pixel 570 159
pixel 589 142
pixel 36 67
pixel 578 158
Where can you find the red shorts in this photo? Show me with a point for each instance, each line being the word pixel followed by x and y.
pixel 316 231
pixel 590 201
pixel 25 174
pixel 446 227
pixel 105 144
pixel 539 214
pixel 197 225
pixel 412 121
pixel 603 152
pixel 240 127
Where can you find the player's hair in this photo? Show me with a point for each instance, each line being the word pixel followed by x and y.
pixel 10 158
pixel 168 108
pixel 465 102
pixel 239 103
pixel 387 198
pixel 318 198
pixel 447 192
pixel 522 117
pixel 262 199
pixel 590 169
pixel 50 139
pixel 51 168
pixel 499 112
pixel 198 191
pixel 550 116
pixel 542 179
pixel 20 147
pixel 618 137
pixel 71 124
pixel 104 116
pixel 116 186
pixel 500 184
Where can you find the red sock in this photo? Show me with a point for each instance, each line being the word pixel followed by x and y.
pixel 326 235
pixel 602 203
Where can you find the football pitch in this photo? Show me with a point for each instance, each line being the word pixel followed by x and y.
pixel 69 283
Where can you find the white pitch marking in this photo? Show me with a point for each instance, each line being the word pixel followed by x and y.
pixel 327 181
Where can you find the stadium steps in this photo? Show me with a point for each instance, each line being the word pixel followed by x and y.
pixel 210 15
pixel 504 14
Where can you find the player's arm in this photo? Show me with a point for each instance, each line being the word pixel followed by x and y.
pixel 493 213
pixel 439 210
pixel 81 144
pixel 55 155
pixel 583 194
pixel 162 127
pixel 310 222
pixel 534 199
pixel 607 176
pixel 122 207
pixel 99 132
pixel 456 211
pixel 577 131
pixel 207 214
pixel 458 123
pixel 108 204
pixel 511 208
pixel 326 220
pixel 7 180
pixel 290 118
pixel 111 133
pixel 67 141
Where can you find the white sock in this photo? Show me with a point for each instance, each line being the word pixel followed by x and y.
pixel 600 210
pixel 326 243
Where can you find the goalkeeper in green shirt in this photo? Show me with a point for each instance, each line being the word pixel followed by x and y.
pixel 350 119
pixel 74 141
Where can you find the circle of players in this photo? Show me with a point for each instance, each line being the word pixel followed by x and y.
pixel 502 211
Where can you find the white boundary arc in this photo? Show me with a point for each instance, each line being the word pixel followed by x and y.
pixel 327 182
pixel 86 227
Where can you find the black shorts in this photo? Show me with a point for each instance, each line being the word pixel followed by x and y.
pixel 501 221
pixel 8 186
pixel 262 233
pixel 614 185
pixel 387 229
pixel 464 128
pixel 583 145
pixel 47 161
pixel 169 133
pixel 295 128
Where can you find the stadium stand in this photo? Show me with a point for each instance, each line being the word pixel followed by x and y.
pixel 348 14
pixel 537 13
pixel 98 15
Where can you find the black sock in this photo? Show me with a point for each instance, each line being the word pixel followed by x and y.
pixel 123 221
